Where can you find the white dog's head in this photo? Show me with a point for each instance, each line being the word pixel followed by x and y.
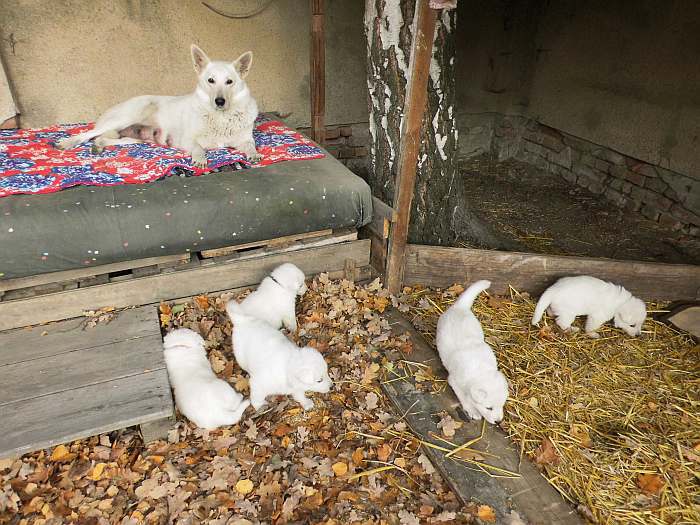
pixel 184 337
pixel 290 277
pixel 218 81
pixel 310 371
pixel 630 316
pixel 489 392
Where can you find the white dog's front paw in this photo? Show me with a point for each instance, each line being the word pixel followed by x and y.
pixel 593 335
pixel 200 161
pixel 306 403
pixel 66 143
pixel 254 157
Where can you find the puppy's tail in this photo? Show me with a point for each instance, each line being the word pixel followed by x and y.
pixel 542 305
pixel 465 301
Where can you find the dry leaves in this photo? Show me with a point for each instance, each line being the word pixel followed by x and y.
pixel 650 484
pixel 546 454
pixel 486 513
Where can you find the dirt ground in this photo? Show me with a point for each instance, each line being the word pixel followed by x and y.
pixel 531 210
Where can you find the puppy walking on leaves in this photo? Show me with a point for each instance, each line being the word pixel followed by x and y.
pixel 203 398
pixel 473 371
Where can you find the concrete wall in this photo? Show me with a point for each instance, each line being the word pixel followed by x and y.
pixel 68 60
pixel 623 74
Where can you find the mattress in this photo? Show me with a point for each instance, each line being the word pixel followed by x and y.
pixel 88 226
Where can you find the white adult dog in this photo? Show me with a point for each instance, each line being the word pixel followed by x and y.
pixel 598 300
pixel 275 364
pixel 203 398
pixel 220 113
pixel 275 299
pixel 470 362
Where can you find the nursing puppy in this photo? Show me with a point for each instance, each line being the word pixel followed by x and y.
pixel 275 299
pixel 276 365
pixel 203 398
pixel 473 371
pixel 220 113
pixel 598 300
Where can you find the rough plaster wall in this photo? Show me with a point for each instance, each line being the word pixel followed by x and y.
pixel 69 60
pixel 622 74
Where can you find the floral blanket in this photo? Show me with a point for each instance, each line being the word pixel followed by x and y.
pixel 30 162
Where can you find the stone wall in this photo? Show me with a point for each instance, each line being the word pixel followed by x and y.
pixel 349 143
pixel 662 195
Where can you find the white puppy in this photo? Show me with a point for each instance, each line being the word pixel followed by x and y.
pixel 220 113
pixel 275 299
pixel 599 300
pixel 275 364
pixel 202 397
pixel 473 371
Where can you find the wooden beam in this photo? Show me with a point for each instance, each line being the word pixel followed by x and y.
pixel 318 71
pixel 414 109
pixel 533 273
pixel 205 279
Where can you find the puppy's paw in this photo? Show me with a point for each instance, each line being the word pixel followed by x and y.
pixel 96 150
pixel 254 157
pixel 306 403
pixel 593 335
pixel 572 330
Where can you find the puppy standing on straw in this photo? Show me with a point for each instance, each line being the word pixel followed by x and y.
pixel 473 371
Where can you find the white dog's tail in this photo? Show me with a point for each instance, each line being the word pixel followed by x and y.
pixel 542 305
pixel 465 301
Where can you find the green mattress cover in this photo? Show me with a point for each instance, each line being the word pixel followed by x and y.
pixel 89 225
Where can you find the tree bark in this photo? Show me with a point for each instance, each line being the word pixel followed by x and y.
pixel 435 212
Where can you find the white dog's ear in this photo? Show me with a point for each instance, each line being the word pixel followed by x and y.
pixel 199 58
pixel 243 63
pixel 478 394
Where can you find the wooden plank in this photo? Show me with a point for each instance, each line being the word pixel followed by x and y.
pixel 79 273
pixel 75 414
pixel 382 209
pixel 318 71
pixel 537 502
pixel 228 250
pixel 533 273
pixel 26 344
pixel 414 108
pixel 305 243
pixel 64 305
pixel 57 373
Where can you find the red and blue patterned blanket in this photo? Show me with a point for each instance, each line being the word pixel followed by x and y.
pixel 30 162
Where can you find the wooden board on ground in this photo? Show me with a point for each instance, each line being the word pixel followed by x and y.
pixel 65 381
pixel 228 250
pixel 533 273
pixel 529 494
pixel 205 279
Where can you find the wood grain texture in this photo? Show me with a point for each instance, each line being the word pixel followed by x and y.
pixel 205 279
pixel 78 413
pixel 530 495
pixel 533 273
pixel 318 71
pixel 26 344
pixel 228 250
pixel 414 109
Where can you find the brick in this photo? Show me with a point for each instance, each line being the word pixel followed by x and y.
pixel 561 158
pixel 685 216
pixel 669 221
pixel 610 156
pixel 615 196
pixel 632 205
pixel 361 151
pixel 602 165
pixel 650 212
pixel 332 133
pixel 633 177
pixel 618 171
pixel 596 187
pixel 588 160
pixel 582 169
pixel 658 201
pixel 568 176
pixel 535 148
pixel 616 184
pixel 346 131
pixel 656 185
pixel 645 169
pixel 346 152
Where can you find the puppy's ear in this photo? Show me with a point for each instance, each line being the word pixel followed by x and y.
pixel 199 58
pixel 478 394
pixel 243 63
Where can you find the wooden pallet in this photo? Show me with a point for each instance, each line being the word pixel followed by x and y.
pixel 64 381
pixel 335 252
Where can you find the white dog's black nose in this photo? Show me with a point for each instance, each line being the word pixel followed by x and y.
pixel 220 101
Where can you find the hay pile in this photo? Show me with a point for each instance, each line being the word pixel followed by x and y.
pixel 614 423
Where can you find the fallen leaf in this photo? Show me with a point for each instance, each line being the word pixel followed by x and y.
pixel 358 457
pixel 202 301
pixel 546 454
pixel 426 464
pixel 580 434
pixel 650 484
pixel 97 471
pixel 383 452
pixel 244 486
pixel 486 513
pixel 371 399
pixel 340 468
pixel 61 453
pixel 282 430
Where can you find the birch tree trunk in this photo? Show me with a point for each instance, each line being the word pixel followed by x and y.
pixel 436 212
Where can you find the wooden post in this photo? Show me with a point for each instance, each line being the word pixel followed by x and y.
pixel 414 109
pixel 318 72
